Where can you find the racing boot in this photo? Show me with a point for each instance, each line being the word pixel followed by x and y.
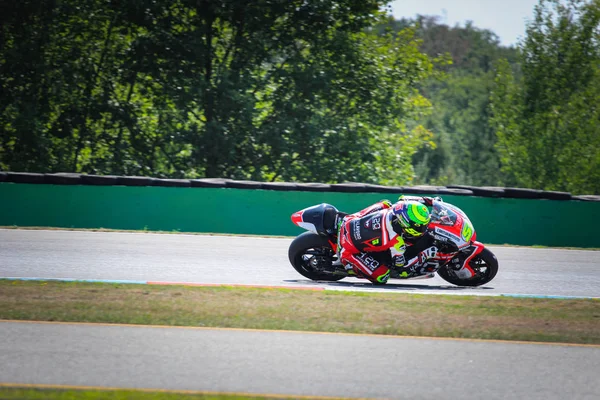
pixel 349 269
pixel 408 271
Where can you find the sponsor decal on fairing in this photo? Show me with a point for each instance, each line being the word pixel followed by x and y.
pixel 440 238
pixel 446 234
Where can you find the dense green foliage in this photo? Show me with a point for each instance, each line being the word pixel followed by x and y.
pixel 265 90
pixel 289 90
pixel 465 152
pixel 548 120
pixel 525 116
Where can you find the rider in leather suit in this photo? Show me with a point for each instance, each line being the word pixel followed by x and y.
pixel 382 227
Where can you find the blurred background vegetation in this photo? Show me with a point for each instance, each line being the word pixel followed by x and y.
pixel 294 90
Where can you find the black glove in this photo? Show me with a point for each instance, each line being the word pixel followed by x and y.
pixel 399 261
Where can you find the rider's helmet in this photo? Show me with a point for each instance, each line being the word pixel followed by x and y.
pixel 412 216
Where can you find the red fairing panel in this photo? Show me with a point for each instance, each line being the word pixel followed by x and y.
pixel 297 217
pixel 333 245
pixel 478 249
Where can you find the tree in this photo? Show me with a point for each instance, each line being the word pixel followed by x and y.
pixel 265 90
pixel 460 119
pixel 464 152
pixel 548 122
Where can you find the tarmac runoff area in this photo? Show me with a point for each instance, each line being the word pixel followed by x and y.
pixel 276 363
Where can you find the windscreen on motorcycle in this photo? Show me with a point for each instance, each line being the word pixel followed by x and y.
pixel 443 215
pixel 451 223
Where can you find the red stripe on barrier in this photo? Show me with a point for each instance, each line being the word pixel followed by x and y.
pixel 235 285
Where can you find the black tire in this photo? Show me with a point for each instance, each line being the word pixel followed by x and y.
pixel 485 259
pixel 135 181
pixel 348 187
pixel 24 177
pixel 520 193
pixel 208 182
pixel 314 187
pixel 172 182
pixel 309 241
pixel 63 178
pixel 551 195
pixel 283 186
pixel 243 184
pixel 486 191
pixel 105 180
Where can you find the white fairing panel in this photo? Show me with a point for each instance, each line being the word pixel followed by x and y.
pixel 460 242
pixel 308 226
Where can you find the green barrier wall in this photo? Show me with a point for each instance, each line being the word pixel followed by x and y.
pixel 496 220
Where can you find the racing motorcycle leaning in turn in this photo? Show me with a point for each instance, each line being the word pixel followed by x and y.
pixel 460 260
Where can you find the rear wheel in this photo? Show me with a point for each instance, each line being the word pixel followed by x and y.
pixel 485 266
pixel 311 255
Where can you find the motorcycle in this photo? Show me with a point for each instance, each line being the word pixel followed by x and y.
pixel 461 260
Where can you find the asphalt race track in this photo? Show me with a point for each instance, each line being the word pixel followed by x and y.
pixel 281 363
pixel 263 261
pixel 294 363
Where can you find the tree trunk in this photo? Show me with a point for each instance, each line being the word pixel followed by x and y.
pixel 212 147
pixel 88 95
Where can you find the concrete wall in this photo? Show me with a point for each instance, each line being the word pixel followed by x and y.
pixel 229 210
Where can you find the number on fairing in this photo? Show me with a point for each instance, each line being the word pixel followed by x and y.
pixel 467 231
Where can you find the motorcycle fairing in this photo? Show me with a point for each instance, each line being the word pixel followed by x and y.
pixel 465 271
pixel 449 223
pixel 478 249
pixel 321 219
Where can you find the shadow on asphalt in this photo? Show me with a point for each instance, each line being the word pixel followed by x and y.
pixel 388 286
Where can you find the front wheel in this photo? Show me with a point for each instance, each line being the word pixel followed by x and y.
pixel 310 254
pixel 485 265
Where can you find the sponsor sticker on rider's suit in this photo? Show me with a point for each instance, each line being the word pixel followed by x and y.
pixel 356 230
pixel 376 223
pixel 369 261
pixel 373 223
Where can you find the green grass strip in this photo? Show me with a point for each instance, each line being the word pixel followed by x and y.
pixel 29 393
pixel 480 317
